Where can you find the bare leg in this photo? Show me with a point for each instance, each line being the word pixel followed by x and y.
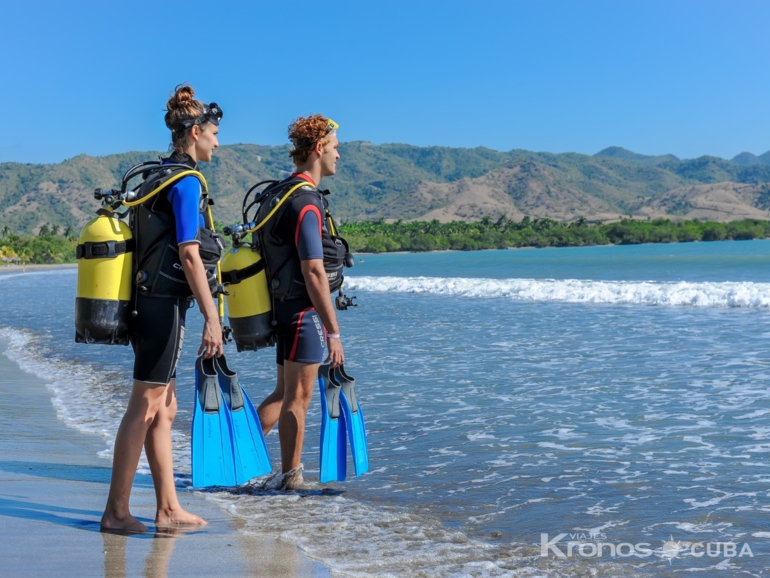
pixel 270 409
pixel 299 379
pixel 142 407
pixel 157 446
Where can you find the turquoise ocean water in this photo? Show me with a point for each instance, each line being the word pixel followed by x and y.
pixel 559 412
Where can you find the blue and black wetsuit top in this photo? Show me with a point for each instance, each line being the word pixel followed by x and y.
pixel 171 218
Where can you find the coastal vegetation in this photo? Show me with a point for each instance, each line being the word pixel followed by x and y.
pixel 389 195
pixel 54 245
pixel 381 237
pixel 51 245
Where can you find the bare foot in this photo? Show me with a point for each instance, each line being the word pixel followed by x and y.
pixel 112 523
pixel 179 517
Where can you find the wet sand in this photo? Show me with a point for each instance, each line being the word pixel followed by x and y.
pixel 53 487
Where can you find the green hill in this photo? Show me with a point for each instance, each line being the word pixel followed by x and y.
pixel 396 181
pixel 627 155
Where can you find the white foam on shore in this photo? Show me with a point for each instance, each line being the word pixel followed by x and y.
pixel 82 394
pixel 323 525
pixel 706 294
pixel 387 541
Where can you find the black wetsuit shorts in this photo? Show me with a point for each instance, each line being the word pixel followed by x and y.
pixel 157 333
pixel 300 335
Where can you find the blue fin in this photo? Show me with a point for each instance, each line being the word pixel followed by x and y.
pixel 354 419
pixel 212 451
pixel 248 441
pixel 333 439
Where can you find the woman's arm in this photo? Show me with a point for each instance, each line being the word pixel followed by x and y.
pixel 211 341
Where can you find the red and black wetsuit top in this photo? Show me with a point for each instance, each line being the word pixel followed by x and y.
pixel 299 231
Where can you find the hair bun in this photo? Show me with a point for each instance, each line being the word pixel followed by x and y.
pixel 183 97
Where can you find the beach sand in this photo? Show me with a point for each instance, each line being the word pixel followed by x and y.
pixel 53 487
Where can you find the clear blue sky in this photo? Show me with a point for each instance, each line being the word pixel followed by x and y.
pixel 682 77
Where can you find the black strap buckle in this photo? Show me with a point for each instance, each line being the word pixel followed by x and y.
pixel 104 249
pixel 237 275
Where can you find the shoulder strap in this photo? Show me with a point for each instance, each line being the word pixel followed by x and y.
pixel 278 205
pixel 176 173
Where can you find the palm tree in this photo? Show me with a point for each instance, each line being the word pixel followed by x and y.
pixel 44 230
pixel 55 230
pixel 68 231
pixel 6 231
pixel 26 256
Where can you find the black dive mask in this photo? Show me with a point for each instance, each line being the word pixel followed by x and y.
pixel 211 113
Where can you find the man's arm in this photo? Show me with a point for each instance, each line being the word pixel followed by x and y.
pixel 317 285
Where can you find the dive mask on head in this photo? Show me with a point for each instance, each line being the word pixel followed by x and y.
pixel 211 113
pixel 331 126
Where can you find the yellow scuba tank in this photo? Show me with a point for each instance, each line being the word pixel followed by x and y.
pixel 249 303
pixel 248 299
pixel 104 256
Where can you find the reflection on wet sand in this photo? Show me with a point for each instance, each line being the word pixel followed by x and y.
pixel 157 561
pixel 263 556
pixel 114 555
pixel 156 564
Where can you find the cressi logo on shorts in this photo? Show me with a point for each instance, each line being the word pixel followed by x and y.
pixel 178 351
pixel 332 275
pixel 178 267
pixel 319 328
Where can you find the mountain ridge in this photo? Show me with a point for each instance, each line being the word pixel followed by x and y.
pixel 399 181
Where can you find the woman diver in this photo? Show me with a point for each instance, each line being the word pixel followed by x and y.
pixel 167 280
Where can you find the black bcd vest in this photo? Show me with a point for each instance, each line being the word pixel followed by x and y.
pixel 282 263
pixel 158 271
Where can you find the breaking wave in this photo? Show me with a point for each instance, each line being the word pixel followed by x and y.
pixel 706 294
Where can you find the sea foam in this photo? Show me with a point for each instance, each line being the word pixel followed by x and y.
pixel 82 393
pixel 706 294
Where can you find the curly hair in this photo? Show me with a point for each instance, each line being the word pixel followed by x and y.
pixel 180 107
pixel 305 133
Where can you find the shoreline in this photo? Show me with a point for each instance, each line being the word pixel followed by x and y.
pixel 53 486
pixel 35 267
pixel 48 267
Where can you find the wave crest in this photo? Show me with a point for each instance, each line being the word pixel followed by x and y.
pixel 682 293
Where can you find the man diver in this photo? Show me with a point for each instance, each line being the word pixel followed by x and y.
pixel 304 265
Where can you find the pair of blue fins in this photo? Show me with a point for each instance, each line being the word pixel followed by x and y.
pixel 341 418
pixel 228 446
